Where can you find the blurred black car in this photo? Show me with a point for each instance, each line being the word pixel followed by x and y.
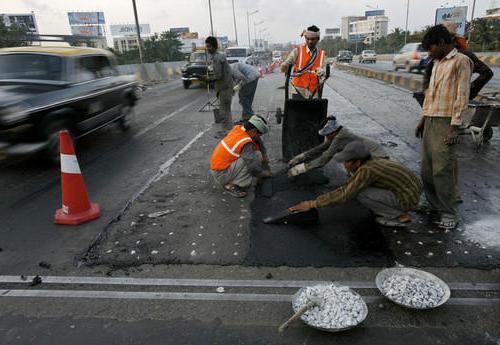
pixel 46 89
pixel 344 56
pixel 196 70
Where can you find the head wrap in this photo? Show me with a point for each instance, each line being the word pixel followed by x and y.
pixel 310 34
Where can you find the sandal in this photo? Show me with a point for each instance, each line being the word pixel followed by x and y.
pixel 426 208
pixel 235 191
pixel 447 222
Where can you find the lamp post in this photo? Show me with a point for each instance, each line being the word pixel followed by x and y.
pixel 235 29
pixel 248 25
pixel 471 19
pixel 211 22
pixel 138 30
pixel 407 12
pixel 255 29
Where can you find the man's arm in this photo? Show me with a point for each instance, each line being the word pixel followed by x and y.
pixel 358 182
pixel 334 146
pixel 427 75
pixel 485 73
pixel 290 60
pixel 463 69
pixel 218 66
pixel 251 159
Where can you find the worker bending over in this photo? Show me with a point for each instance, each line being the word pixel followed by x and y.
pixel 246 78
pixel 336 138
pixel 387 188
pixel 234 160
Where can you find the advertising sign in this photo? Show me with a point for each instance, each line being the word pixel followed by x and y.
pixel 375 13
pixel 179 30
pixel 83 18
pixel 189 35
pixel 26 20
pixel 332 31
pixel 129 30
pixel 87 30
pixel 457 15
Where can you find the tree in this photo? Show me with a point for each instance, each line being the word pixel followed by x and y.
pixel 13 36
pixel 484 34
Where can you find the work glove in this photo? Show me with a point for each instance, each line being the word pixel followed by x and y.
pixel 297 170
pixel 237 88
pixel 320 72
pixel 296 160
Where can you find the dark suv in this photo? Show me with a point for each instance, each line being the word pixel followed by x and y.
pixel 196 70
pixel 47 89
pixel 344 56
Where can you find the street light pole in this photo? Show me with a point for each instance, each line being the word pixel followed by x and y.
pixel 471 19
pixel 138 30
pixel 248 26
pixel 255 30
pixel 407 12
pixel 211 22
pixel 235 30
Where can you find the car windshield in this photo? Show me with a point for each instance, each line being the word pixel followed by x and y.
pixel 198 57
pixel 30 66
pixel 236 52
pixel 344 52
pixel 369 52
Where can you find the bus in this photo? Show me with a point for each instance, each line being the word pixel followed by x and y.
pixel 237 54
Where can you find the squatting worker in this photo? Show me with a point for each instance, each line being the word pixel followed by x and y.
pixel 246 78
pixel 234 160
pixel 445 103
pixel 387 188
pixel 308 63
pixel 223 81
pixel 336 138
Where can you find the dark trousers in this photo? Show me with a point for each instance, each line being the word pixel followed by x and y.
pixel 246 95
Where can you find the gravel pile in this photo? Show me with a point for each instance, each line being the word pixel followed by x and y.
pixel 338 307
pixel 412 291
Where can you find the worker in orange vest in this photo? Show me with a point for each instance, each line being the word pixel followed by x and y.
pixel 308 63
pixel 234 160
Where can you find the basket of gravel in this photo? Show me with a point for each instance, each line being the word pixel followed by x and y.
pixel 334 308
pixel 412 288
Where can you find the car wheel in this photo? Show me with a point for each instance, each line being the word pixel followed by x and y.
pixel 186 83
pixel 51 133
pixel 124 121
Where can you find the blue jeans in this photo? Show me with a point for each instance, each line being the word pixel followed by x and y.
pixel 246 95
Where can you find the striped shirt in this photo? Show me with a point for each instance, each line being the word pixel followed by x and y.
pixel 378 173
pixel 449 88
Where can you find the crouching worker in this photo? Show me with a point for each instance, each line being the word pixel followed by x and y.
pixel 336 138
pixel 235 161
pixel 387 188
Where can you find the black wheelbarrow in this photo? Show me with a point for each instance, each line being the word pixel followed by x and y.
pixel 302 119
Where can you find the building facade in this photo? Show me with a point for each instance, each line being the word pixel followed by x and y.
pixel 332 33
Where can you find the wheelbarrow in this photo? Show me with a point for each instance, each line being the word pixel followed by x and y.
pixel 484 115
pixel 302 119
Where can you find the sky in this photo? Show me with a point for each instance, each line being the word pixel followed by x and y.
pixel 283 19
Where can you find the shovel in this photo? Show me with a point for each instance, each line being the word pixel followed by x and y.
pixel 313 302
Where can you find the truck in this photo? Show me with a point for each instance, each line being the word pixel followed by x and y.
pixel 237 54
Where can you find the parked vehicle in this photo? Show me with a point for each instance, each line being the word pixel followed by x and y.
pixel 344 56
pixel 368 56
pixel 237 54
pixel 47 89
pixel 411 57
pixel 196 69
pixel 277 56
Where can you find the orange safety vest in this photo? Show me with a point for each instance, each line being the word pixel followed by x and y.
pixel 307 79
pixel 228 150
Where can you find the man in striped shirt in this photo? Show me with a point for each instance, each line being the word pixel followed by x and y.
pixel 446 101
pixel 387 188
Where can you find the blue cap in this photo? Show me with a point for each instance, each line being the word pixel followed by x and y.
pixel 331 126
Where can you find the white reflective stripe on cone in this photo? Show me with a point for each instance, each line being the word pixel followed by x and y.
pixel 69 164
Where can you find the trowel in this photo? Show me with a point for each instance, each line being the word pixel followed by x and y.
pixel 310 217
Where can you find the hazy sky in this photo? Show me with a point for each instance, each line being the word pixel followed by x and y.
pixel 284 19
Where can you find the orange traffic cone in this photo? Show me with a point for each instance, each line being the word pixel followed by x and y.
pixel 76 207
pixel 260 71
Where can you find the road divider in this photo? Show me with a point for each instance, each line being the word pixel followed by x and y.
pixel 408 82
pixel 491 59
pixel 157 72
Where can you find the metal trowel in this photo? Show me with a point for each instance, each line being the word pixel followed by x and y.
pixel 310 217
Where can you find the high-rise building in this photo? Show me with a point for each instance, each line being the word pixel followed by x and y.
pixel 345 24
pixel 372 26
pixel 332 33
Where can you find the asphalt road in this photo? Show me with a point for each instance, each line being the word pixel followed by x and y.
pixel 210 241
pixel 387 66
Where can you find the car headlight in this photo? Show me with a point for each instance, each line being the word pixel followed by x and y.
pixel 13 114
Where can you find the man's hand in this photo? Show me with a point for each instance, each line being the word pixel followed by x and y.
pixel 296 160
pixel 304 206
pixel 265 160
pixel 237 88
pixel 297 170
pixel 452 136
pixel 419 131
pixel 283 67
pixel 320 72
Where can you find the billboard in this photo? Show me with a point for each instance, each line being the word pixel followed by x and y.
pixel 26 20
pixel 374 13
pixel 85 18
pixel 179 30
pixel 129 30
pixel 332 31
pixel 87 30
pixel 189 36
pixel 457 15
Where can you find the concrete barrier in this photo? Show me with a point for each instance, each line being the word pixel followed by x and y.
pixel 492 59
pixel 407 82
pixel 154 72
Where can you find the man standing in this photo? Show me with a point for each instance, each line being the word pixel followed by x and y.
pixel 387 188
pixel 336 138
pixel 445 103
pixel 246 78
pixel 308 63
pixel 234 160
pixel 223 81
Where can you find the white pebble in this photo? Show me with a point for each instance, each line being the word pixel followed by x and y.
pixel 412 291
pixel 194 253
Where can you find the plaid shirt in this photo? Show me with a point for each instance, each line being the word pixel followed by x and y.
pixel 449 88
